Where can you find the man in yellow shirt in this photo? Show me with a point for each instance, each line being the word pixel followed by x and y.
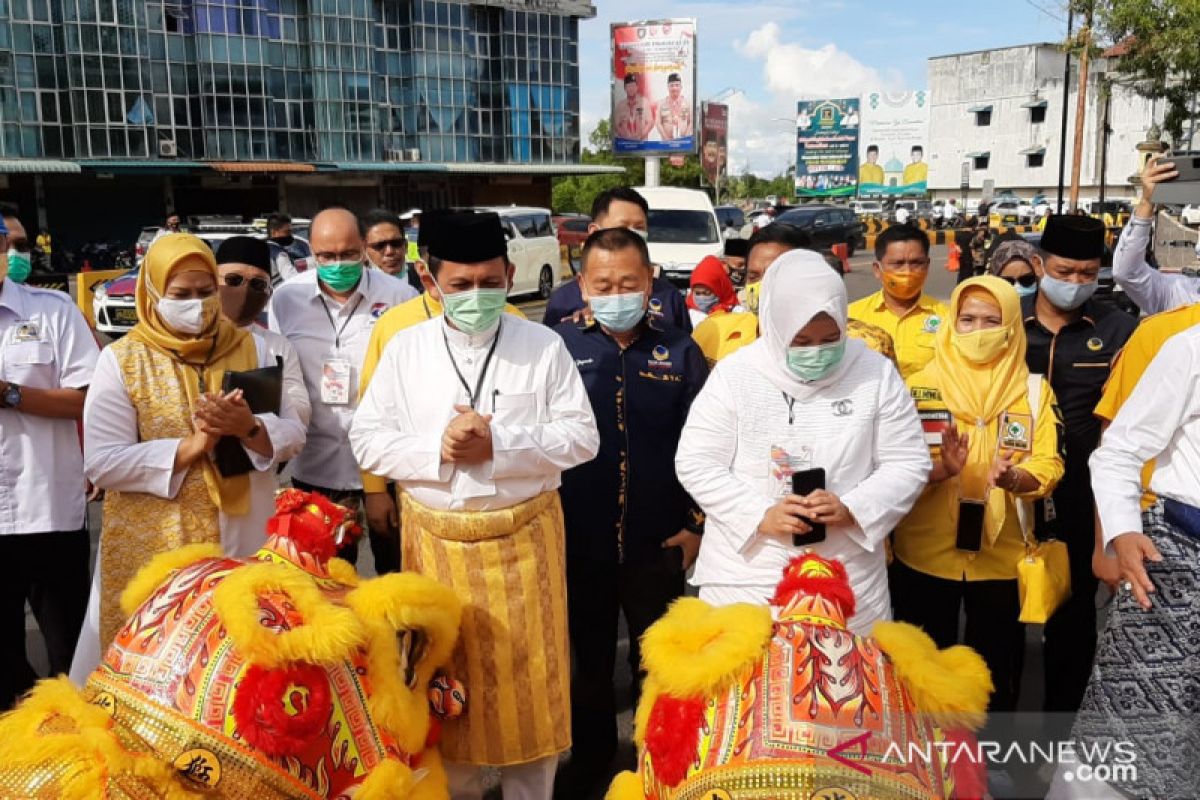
pixel 870 171
pixel 379 501
pixel 918 170
pixel 722 334
pixel 911 317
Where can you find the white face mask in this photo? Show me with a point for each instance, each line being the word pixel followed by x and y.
pixel 186 316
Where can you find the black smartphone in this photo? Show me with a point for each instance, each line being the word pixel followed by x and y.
pixel 970 526
pixel 806 482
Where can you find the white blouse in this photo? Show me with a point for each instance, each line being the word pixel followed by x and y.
pixel 864 431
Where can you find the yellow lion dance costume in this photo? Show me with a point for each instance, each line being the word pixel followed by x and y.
pixel 281 676
pixel 738 706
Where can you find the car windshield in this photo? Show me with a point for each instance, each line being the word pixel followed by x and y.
pixel 798 218
pixel 674 226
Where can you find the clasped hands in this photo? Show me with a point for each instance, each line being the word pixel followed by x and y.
pixel 791 515
pixel 468 437
pixel 216 415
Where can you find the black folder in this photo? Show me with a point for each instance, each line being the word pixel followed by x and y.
pixel 263 391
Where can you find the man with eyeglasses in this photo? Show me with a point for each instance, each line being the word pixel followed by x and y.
pixel 387 246
pixel 1072 340
pixel 901 307
pixel 328 315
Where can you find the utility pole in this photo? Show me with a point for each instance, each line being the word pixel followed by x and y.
pixel 1106 101
pixel 1062 145
pixel 652 170
pixel 1085 37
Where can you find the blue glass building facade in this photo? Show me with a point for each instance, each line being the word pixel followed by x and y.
pixel 315 81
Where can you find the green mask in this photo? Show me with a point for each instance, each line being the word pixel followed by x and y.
pixel 813 363
pixel 342 276
pixel 19 266
pixel 475 310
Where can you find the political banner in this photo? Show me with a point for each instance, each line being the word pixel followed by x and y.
pixel 714 142
pixel 654 87
pixel 827 148
pixel 894 135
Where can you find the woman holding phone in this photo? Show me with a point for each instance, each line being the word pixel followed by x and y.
pixel 802 401
pixel 993 433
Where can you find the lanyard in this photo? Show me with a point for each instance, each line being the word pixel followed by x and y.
pixel 337 332
pixel 472 396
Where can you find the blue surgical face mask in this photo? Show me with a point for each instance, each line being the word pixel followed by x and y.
pixel 704 302
pixel 618 312
pixel 813 363
pixel 1065 295
pixel 1025 291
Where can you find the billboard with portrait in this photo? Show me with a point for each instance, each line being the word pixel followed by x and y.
pixel 654 87
pixel 714 142
pixel 894 137
pixel 827 147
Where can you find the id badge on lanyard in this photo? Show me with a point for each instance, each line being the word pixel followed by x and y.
pixel 337 380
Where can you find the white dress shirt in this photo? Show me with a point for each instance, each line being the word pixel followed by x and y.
pixel 45 343
pixel 863 430
pixel 542 419
pixel 116 459
pixel 307 317
pixel 1161 421
pixel 1151 290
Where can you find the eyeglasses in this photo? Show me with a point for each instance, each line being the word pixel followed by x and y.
pixel 335 258
pixel 395 244
pixel 257 284
pixel 1026 280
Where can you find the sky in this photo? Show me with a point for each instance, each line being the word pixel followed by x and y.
pixel 775 52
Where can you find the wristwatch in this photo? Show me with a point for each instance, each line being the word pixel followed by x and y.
pixel 11 397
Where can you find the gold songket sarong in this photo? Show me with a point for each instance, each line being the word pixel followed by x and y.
pixel 508 568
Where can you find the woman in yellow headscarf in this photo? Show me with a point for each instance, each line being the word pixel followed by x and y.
pixel 153 416
pixel 993 430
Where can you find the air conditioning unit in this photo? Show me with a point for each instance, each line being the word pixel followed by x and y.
pixel 167 148
pixel 412 154
pixel 394 155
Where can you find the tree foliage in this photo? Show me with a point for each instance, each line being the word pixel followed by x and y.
pixel 1163 58
pixel 575 194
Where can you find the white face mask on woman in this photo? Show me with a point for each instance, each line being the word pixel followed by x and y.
pixel 188 316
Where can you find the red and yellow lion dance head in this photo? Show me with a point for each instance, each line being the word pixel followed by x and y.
pixel 281 676
pixel 738 705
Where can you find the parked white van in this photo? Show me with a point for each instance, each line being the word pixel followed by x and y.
pixel 532 248
pixel 683 230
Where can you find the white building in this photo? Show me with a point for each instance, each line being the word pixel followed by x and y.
pixel 1000 113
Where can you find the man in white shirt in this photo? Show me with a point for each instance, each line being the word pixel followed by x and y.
pixel 1152 291
pixel 1147 665
pixel 47 355
pixel 475 417
pixel 327 314
pixel 170 225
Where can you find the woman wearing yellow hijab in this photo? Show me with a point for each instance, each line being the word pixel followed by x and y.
pixel 993 432
pixel 154 413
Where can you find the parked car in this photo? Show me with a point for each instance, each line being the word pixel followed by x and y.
pixel 572 233
pixel 1004 213
pixel 143 242
pixel 683 230
pixel 827 225
pixel 730 218
pixel 532 248
pixel 1190 215
pixel 113 304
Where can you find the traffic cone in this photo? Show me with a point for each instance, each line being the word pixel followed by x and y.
pixel 952 260
pixel 841 251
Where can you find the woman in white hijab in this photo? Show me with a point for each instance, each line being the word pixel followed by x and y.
pixel 802 397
